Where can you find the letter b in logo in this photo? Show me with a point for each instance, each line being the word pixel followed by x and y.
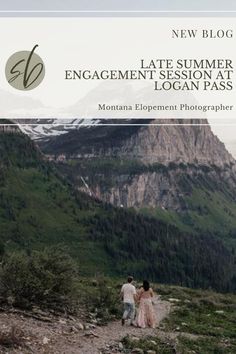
pixel 25 70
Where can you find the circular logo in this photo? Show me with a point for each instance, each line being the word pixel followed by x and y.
pixel 25 70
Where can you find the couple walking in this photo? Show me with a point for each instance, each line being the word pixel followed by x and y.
pixel 145 316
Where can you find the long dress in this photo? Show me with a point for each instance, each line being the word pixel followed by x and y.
pixel 146 314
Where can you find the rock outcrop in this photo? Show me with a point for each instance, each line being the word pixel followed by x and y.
pixel 180 141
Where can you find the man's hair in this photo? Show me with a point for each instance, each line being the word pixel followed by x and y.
pixel 130 279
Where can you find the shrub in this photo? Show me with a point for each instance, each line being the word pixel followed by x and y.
pixel 45 278
pixel 105 300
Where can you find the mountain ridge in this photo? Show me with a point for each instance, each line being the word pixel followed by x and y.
pixel 39 208
pixel 182 173
pixel 179 142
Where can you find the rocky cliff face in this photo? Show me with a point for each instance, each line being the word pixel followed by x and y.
pixel 167 190
pixel 178 143
pixel 179 168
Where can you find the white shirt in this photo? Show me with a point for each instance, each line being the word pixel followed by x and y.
pixel 128 291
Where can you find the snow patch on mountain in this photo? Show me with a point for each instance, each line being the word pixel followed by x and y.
pixel 40 129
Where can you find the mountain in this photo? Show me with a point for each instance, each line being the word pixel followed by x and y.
pixel 45 129
pixel 148 144
pixel 181 173
pixel 39 208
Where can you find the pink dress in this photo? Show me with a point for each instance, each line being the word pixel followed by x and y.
pixel 146 314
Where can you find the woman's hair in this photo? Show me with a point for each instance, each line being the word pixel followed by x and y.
pixel 146 285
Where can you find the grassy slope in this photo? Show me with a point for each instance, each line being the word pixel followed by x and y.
pixel 42 212
pixel 209 316
pixel 38 208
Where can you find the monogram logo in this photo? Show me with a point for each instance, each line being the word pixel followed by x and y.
pixel 25 70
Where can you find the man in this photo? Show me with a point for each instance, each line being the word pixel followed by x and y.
pixel 128 294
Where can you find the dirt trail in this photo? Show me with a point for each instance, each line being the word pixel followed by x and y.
pixel 59 336
pixel 114 332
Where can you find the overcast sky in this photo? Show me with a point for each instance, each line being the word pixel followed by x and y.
pixel 118 5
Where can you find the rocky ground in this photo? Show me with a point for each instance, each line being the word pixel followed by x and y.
pixel 189 322
pixel 52 335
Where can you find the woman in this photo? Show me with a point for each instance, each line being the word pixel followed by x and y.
pixel 146 315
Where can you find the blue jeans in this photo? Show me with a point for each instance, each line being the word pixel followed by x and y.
pixel 129 311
